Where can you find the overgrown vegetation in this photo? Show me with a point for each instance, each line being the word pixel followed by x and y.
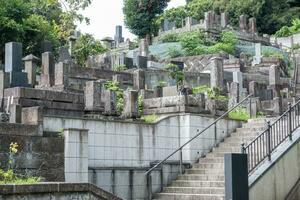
pixel 175 73
pixel 140 105
pixel 272 54
pixel 286 31
pixel 170 37
pixel 9 176
pixel 34 21
pixel 271 14
pixel 120 68
pixel 115 86
pixel 149 118
pixel 240 114
pixel 212 93
pixel 86 46
pixel 197 43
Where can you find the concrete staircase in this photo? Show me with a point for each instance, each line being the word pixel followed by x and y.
pixel 205 180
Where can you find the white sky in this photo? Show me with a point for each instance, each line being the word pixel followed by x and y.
pixel 106 14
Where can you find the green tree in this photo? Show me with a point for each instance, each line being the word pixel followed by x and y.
pixel 33 21
pixel 271 14
pixel 141 16
pixel 86 46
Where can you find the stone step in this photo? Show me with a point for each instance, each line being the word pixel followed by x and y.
pixel 194 190
pixel 216 171
pixel 255 124
pixel 251 133
pixel 216 165
pixel 210 160
pixel 182 183
pixel 227 149
pixel 201 177
pixel 251 129
pixel 170 196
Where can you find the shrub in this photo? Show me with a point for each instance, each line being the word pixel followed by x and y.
pixel 175 73
pixel 191 42
pixel 286 31
pixel 114 86
pixel 120 68
pixel 215 93
pixel 9 177
pixel 140 104
pixel 171 37
pixel 202 89
pixel 173 52
pixel 273 54
pixel 239 113
pixel 150 118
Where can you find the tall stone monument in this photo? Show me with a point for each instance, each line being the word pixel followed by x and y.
pixel 14 65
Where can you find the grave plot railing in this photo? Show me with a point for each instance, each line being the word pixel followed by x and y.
pixel 264 144
pixel 180 149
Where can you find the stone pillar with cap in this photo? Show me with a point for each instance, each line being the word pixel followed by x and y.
pixel 216 73
pixel 31 63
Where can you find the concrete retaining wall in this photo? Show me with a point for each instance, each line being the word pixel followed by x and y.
pixel 54 191
pixel 117 145
pixel 277 182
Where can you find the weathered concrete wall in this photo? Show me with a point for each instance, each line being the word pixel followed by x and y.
pixel 127 144
pixel 121 152
pixel 54 191
pixel 279 179
pixel 38 156
pixel 287 42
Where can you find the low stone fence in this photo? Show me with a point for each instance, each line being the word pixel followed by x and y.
pixel 55 191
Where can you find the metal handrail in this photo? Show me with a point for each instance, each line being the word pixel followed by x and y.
pixel 181 147
pixel 269 139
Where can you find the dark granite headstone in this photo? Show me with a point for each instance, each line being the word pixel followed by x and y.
pixel 13 57
pixel 142 62
pixel 129 63
pixel 46 46
pixel 14 65
pixel 64 55
pixel 179 64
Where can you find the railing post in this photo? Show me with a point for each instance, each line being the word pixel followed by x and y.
pixel 269 140
pixel 180 162
pixel 149 185
pixel 216 134
pixel 290 121
pixel 243 149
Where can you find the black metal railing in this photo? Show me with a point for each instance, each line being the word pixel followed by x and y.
pixel 148 173
pixel 275 133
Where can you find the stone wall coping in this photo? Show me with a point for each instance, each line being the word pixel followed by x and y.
pixel 76 129
pixel 163 117
pixel 56 187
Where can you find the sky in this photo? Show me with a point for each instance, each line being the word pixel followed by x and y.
pixel 106 14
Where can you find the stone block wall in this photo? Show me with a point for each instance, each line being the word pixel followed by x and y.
pixel 55 191
pixel 37 156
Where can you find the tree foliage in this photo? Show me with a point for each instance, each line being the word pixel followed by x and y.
pixel 271 14
pixel 33 21
pixel 141 15
pixel 86 46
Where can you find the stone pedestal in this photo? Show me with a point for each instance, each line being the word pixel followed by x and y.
pixel 130 104
pixel 47 76
pixel 31 63
pixel 76 155
pixel 92 95
pixel 138 79
pixel 243 23
pixel 61 74
pixel 109 98
pixel 233 95
pixel 216 73
pixel 15 111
